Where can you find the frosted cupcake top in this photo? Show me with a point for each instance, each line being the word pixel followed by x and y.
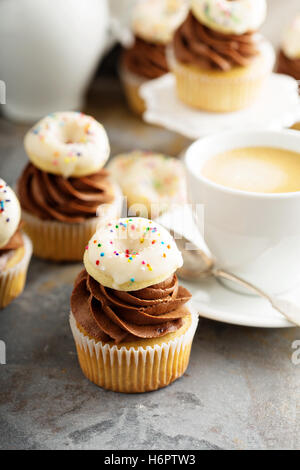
pixel 232 17
pixel 10 213
pixel 68 144
pixel 291 39
pixel 150 178
pixel 131 251
pixel 156 20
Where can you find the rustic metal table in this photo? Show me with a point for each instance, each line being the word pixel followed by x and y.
pixel 241 390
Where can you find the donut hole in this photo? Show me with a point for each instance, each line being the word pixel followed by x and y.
pixel 72 133
pixel 133 242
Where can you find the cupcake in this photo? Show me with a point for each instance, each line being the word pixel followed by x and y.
pixel 15 247
pixel 151 182
pixel 289 54
pixel 219 60
pixel 64 190
pixel 132 323
pixel 153 24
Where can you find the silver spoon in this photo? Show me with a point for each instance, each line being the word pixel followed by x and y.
pixel 199 265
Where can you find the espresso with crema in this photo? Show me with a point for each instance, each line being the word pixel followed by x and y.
pixel 255 169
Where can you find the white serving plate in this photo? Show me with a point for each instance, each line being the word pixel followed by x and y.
pixel 277 107
pixel 219 303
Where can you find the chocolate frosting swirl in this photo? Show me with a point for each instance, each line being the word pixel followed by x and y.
pixel 146 59
pixel 196 44
pixel 53 197
pixel 111 315
pixel 15 242
pixel 288 66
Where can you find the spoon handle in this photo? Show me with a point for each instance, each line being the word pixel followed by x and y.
pixel 285 307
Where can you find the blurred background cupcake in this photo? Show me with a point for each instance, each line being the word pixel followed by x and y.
pixel 153 24
pixel 219 60
pixel 289 54
pixel 15 247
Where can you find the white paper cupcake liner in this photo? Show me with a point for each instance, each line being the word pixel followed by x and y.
pixel 136 369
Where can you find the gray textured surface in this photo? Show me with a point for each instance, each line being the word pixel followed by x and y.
pixel 241 390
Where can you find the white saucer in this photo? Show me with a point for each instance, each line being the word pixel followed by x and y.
pixel 277 107
pixel 216 302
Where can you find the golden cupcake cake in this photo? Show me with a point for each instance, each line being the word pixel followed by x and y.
pixel 153 24
pixel 64 190
pixel 289 55
pixel 15 247
pixel 151 182
pixel 219 59
pixel 132 323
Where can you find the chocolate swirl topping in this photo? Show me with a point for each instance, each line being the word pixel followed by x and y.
pixel 15 242
pixel 288 66
pixel 146 59
pixel 72 200
pixel 196 44
pixel 111 315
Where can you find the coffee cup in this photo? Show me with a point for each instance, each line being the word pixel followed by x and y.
pixel 254 235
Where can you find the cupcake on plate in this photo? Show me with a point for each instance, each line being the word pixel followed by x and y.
pixel 132 323
pixel 219 60
pixel 153 24
pixel 64 190
pixel 289 55
pixel 151 182
pixel 15 247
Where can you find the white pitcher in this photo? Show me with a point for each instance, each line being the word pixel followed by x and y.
pixel 49 50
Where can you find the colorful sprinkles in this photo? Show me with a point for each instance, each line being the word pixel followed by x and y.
pixel 9 213
pixel 138 232
pixel 4 201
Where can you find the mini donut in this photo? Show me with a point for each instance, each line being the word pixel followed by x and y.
pixel 232 17
pixel 148 178
pixel 156 20
pixel 10 213
pixel 131 253
pixel 68 144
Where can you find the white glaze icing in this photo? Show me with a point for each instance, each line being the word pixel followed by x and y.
pixel 156 20
pixel 68 144
pixel 10 213
pixel 150 178
pixel 132 250
pixel 291 39
pixel 232 17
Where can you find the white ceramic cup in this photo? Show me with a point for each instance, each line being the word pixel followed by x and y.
pixel 253 235
pixel 49 50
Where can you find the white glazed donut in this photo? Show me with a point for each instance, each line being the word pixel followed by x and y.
pixel 156 20
pixel 291 40
pixel 232 17
pixel 153 180
pixel 68 144
pixel 131 253
pixel 10 213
